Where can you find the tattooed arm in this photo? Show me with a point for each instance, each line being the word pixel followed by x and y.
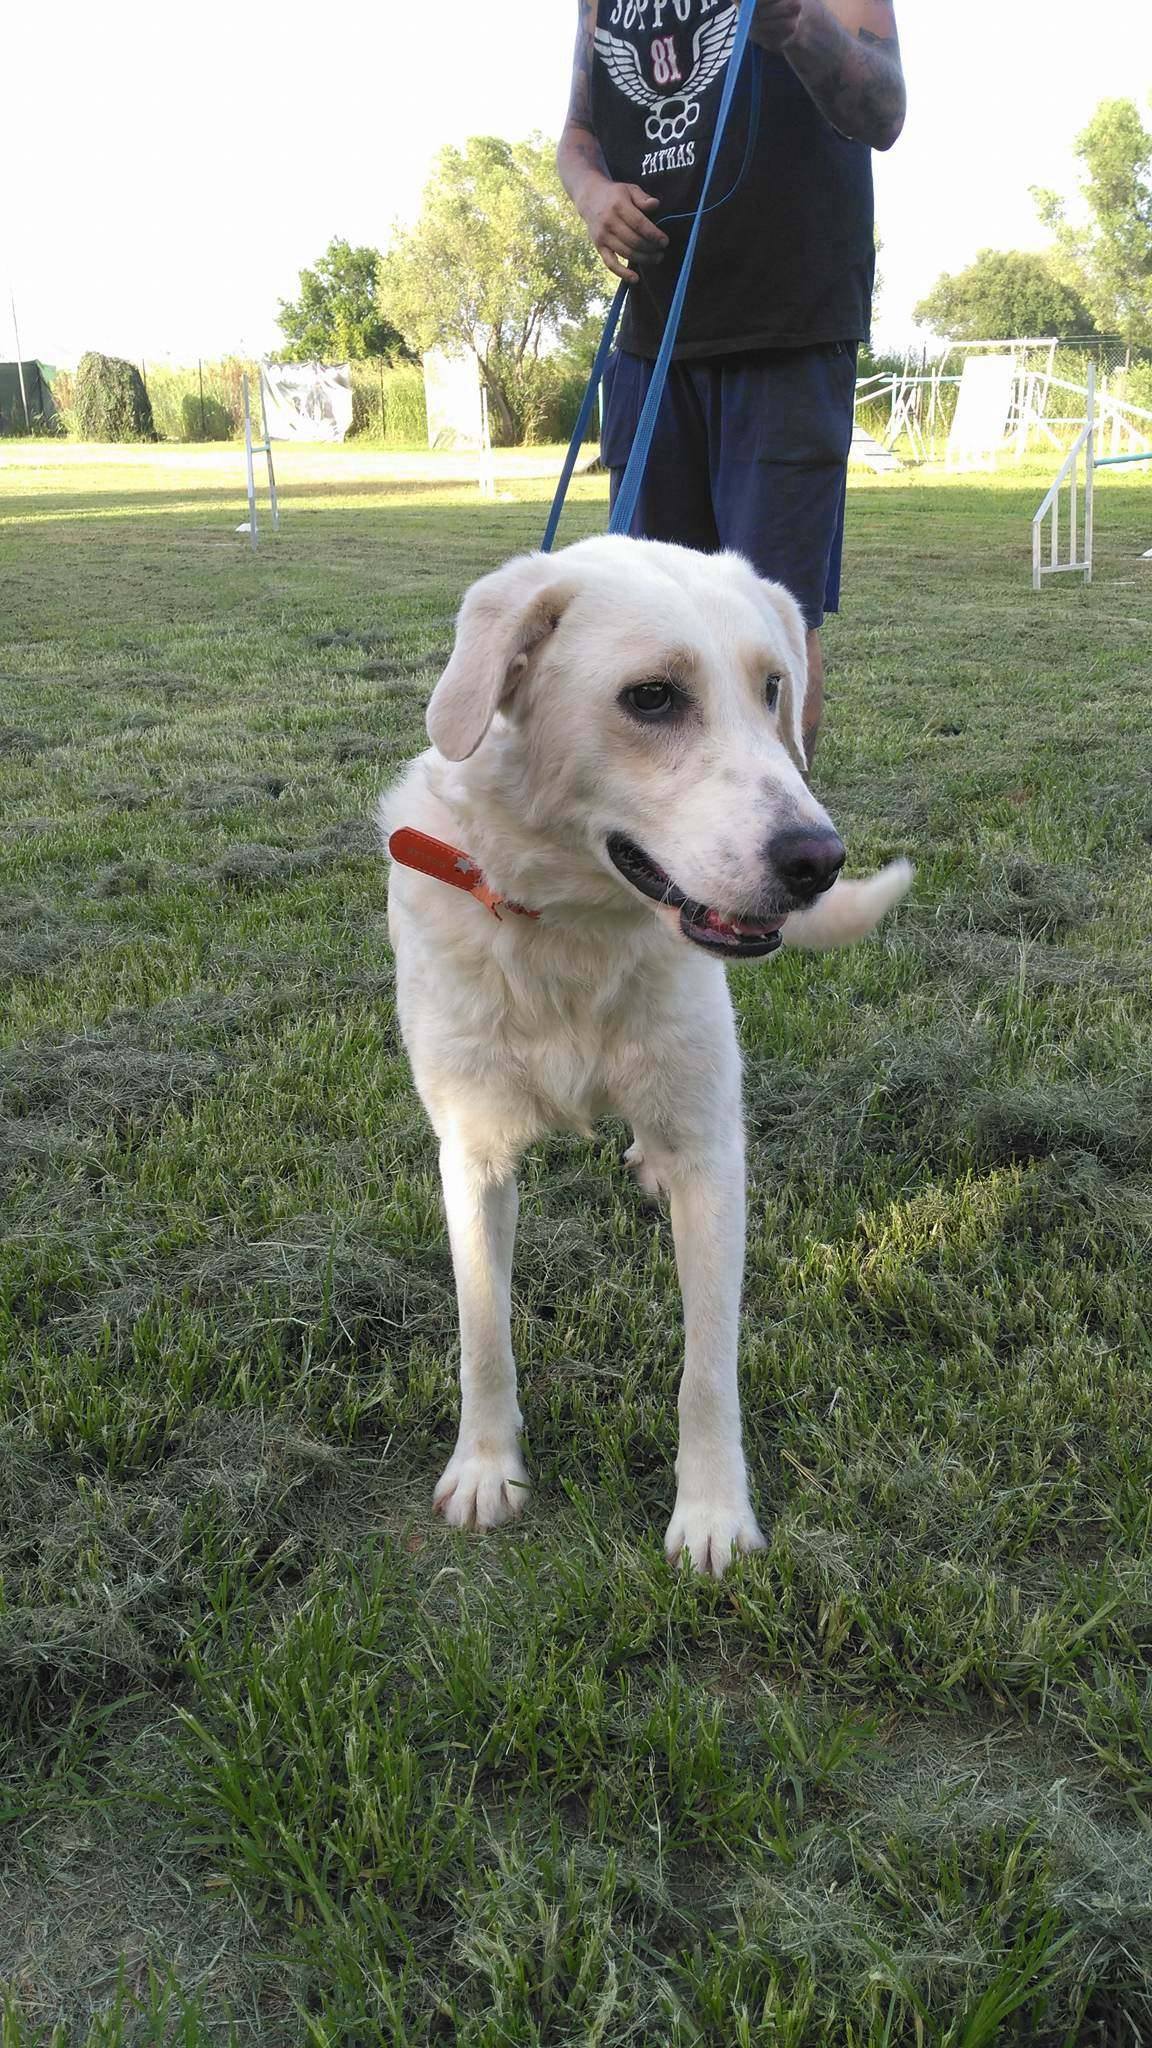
pixel 845 52
pixel 615 215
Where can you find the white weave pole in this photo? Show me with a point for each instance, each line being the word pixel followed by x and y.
pixel 252 531
pixel 20 369
pixel 268 458
pixel 487 476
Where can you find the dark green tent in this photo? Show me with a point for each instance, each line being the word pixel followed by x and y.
pixel 37 391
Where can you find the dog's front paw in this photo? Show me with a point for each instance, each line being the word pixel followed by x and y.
pixel 481 1489
pixel 710 1533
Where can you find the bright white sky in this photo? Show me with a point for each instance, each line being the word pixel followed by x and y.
pixel 180 167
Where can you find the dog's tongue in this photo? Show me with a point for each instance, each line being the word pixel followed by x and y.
pixel 708 927
pixel 737 927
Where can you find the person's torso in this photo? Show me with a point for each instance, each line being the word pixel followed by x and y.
pixel 787 258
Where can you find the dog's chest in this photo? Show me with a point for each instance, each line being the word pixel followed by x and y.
pixel 572 1041
pixel 563 1029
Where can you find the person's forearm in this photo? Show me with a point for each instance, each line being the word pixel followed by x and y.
pixel 579 157
pixel 580 162
pixel 855 80
pixel 614 213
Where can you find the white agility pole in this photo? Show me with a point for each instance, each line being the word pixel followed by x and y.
pixel 275 503
pixel 487 476
pixel 252 448
pixel 20 368
pixel 248 459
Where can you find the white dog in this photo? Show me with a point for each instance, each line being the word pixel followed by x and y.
pixel 618 774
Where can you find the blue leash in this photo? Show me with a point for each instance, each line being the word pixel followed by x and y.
pixel 583 417
pixel 633 476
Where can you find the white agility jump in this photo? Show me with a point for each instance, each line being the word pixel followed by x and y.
pixel 1079 496
pixel 252 448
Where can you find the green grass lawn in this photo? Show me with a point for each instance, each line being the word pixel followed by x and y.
pixel 282 1760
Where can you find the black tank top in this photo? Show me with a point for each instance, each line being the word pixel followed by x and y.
pixel 787 261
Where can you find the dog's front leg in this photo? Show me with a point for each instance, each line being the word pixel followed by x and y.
pixel 713 1514
pixel 485 1481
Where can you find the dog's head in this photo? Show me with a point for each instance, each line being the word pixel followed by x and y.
pixel 654 701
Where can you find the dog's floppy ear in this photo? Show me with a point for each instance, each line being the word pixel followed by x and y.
pixel 502 619
pixel 794 681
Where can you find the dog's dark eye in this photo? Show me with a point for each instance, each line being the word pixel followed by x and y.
pixel 651 700
pixel 771 691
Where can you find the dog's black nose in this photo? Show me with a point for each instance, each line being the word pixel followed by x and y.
pixel 807 858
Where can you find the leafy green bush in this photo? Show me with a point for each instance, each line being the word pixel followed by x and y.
pixel 553 388
pixel 64 399
pixel 204 418
pixel 388 405
pixel 111 402
pixel 176 400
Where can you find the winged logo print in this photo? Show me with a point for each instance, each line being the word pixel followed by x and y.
pixel 711 48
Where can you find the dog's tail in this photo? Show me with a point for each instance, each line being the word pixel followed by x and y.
pixel 849 911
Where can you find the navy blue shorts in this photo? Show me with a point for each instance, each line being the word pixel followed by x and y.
pixel 750 452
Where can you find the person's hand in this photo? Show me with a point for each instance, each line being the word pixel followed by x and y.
pixel 776 22
pixel 616 217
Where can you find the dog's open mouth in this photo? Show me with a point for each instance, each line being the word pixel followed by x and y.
pixel 743 938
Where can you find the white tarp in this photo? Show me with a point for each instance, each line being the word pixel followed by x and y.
pixel 983 409
pixel 452 395
pixel 307 401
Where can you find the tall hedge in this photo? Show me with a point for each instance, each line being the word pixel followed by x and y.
pixel 388 404
pixel 112 402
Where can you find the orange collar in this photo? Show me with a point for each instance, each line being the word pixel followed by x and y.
pixel 447 864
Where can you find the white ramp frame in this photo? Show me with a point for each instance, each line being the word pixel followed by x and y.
pixel 1083 445
pixel 1030 403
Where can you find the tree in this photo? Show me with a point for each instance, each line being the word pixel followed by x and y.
pixel 337 316
pixel 1004 293
pixel 1108 254
pixel 498 261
